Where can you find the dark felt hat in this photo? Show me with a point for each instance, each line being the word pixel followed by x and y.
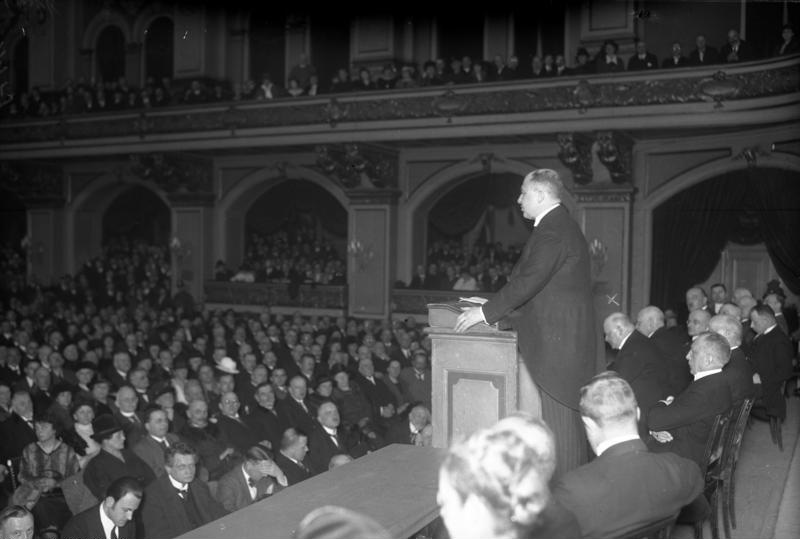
pixel 104 426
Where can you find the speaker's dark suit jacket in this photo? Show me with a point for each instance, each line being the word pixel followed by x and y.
pixel 640 363
pixel 672 346
pixel 293 415
pixel 86 525
pixel 771 357
pixel 739 375
pixel 163 512
pixel 294 473
pixel 646 487
pixel 549 302
pixel 233 493
pixel 691 416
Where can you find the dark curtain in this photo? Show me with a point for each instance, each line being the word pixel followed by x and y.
pixel 284 204
pixel 459 210
pixel 691 229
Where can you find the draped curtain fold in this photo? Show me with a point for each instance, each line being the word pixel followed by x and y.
pixel 691 229
pixel 460 210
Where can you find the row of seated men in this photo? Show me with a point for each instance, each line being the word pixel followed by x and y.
pixel 162 399
pixel 681 385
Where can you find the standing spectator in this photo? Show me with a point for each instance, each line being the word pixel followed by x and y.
pixel 676 59
pixel 302 71
pixel 643 59
pixel 736 49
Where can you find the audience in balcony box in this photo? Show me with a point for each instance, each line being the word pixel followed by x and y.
pixel 537 68
pixel 582 64
pixel 607 60
pixel 340 82
pixel 703 54
pixel 497 69
pixel 512 70
pixel 313 86
pixel 388 79
pixel 677 59
pixel 549 65
pixel 406 78
pixel 195 94
pixel 294 89
pixel 561 66
pixel 466 69
pixel 643 59
pixel 736 49
pixel 789 44
pixel 302 71
pixel 364 82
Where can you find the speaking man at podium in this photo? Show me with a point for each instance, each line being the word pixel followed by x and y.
pixel 548 301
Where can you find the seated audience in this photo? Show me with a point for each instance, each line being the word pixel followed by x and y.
pixel 771 356
pixel 681 424
pixel 737 370
pixel 114 513
pixel 151 448
pixel 45 465
pixel 736 49
pixel 291 457
pixel 415 380
pixel 178 501
pixel 257 478
pixel 114 460
pixel 647 486
pixel 638 362
pixel 607 60
pixel 495 484
pixel 670 343
pixel 16 521
pixel 703 54
pixel 643 59
pixel 789 44
pixel 411 431
pixel 216 454
pixel 330 438
pixel 676 59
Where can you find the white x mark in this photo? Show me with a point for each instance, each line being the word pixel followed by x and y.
pixel 612 299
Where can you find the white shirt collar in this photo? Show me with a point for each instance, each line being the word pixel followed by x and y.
pixel 247 478
pixel 539 217
pixel 604 445
pixel 107 524
pixel 330 431
pixel 773 326
pixel 703 374
pixel 180 486
pixel 160 440
pixel 412 428
pixel 622 343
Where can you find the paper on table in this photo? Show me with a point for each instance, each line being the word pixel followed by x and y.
pixel 474 299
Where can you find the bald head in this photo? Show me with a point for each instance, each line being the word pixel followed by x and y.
pixel 740 293
pixel 728 327
pixel 709 351
pixel 617 327
pixel 650 319
pixel 697 322
pixel 746 304
pixel 731 309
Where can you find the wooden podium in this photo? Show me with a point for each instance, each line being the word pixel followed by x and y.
pixel 475 374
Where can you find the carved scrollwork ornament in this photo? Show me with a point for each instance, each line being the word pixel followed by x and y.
pixel 574 151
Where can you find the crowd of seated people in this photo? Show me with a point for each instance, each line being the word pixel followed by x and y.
pixel 452 266
pixel 102 379
pixel 303 80
pixel 295 257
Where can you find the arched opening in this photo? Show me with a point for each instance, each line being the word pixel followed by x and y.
pixel 158 49
pixel 751 207
pixel 299 222
pixel 13 221
pixel 110 54
pixel 20 71
pixel 467 220
pixel 137 214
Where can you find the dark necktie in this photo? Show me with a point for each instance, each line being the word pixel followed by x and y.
pixel 114 533
pixel 164 446
pixel 251 483
pixel 335 439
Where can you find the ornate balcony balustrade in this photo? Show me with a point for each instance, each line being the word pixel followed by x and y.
pixel 396 113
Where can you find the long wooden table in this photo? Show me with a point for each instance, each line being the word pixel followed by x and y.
pixel 396 486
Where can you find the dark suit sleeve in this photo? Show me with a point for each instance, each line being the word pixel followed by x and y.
pixel 226 494
pixel 682 411
pixel 535 271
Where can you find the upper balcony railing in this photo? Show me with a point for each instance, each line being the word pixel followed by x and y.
pixel 539 105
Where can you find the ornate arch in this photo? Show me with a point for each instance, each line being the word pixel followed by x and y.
pixel 686 180
pixel 234 205
pixel 83 214
pixel 100 22
pixel 146 18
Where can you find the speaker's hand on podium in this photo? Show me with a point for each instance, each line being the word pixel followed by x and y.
pixel 468 318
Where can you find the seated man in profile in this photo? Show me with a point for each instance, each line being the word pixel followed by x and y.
pixel 647 487
pixel 737 370
pixel 682 424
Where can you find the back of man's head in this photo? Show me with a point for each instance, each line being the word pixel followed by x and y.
pixel 714 350
pixel 123 486
pixel 609 399
pixel 649 320
pixel 548 180
pixel 727 326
